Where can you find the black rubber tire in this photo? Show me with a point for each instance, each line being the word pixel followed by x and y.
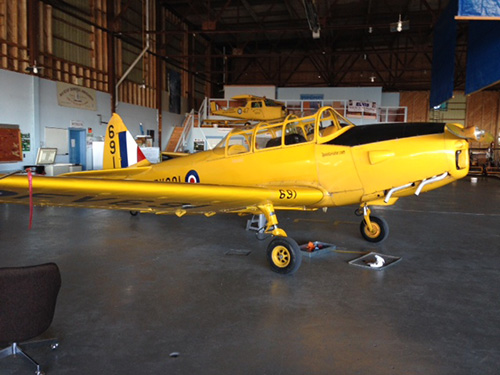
pixel 283 255
pixel 381 229
pixel 134 213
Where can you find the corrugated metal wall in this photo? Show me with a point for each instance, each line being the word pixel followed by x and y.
pixel 71 36
pixel 72 42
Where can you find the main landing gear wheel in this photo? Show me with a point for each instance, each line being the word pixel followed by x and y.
pixel 134 213
pixel 284 255
pixel 379 232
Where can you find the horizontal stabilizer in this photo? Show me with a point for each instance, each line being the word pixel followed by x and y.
pixel 172 155
pixel 113 174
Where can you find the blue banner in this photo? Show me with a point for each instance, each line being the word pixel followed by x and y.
pixel 483 55
pixel 443 56
pixel 479 8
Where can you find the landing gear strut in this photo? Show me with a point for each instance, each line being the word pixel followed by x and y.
pixel 283 253
pixel 373 229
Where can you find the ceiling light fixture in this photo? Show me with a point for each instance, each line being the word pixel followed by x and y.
pixel 372 79
pixel 312 17
pixel 399 28
pixel 34 69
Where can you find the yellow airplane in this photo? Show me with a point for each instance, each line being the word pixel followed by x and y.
pixel 306 163
pixel 256 108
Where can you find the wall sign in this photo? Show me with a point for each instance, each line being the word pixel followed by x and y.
pixel 359 108
pixel 76 97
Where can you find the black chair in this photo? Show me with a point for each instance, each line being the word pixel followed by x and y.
pixel 27 302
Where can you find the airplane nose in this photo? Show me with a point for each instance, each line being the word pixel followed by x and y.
pixel 461 159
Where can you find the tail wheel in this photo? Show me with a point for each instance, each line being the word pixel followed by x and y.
pixel 379 232
pixel 284 255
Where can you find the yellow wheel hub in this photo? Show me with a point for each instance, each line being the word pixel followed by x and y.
pixel 375 232
pixel 281 256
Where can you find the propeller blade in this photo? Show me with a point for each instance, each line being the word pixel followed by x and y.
pixel 456 130
pixel 488 138
pixel 472 133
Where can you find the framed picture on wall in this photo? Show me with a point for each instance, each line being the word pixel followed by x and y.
pixel 10 143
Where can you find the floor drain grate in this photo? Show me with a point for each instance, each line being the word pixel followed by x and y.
pixel 375 261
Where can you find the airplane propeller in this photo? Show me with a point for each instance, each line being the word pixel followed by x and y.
pixel 472 133
pixel 488 138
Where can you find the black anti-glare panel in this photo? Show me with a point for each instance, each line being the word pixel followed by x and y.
pixel 360 135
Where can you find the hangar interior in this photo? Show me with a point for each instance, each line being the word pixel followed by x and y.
pixel 193 295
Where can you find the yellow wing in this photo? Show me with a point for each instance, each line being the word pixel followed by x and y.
pixel 154 197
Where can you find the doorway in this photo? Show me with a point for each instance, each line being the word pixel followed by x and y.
pixel 78 147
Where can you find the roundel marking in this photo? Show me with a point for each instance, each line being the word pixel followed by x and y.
pixel 192 177
pixel 239 111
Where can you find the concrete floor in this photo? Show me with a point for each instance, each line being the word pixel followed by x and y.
pixel 137 289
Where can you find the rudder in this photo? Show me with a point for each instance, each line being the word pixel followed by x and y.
pixel 120 148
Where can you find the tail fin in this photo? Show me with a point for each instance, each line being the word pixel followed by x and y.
pixel 213 107
pixel 120 148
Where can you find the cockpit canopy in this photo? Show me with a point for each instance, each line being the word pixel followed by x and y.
pixel 319 128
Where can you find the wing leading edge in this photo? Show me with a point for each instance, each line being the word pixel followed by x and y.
pixel 154 197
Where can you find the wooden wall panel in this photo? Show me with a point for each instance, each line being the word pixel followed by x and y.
pixel 483 111
pixel 23 35
pixel 3 34
pixel 417 103
pixel 54 41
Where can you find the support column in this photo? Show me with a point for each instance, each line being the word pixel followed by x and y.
pixel 159 75
pixel 110 15
pixel 33 21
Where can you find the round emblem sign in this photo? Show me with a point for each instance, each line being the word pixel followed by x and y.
pixel 192 177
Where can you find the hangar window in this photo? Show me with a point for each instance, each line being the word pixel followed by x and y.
pixel 272 103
